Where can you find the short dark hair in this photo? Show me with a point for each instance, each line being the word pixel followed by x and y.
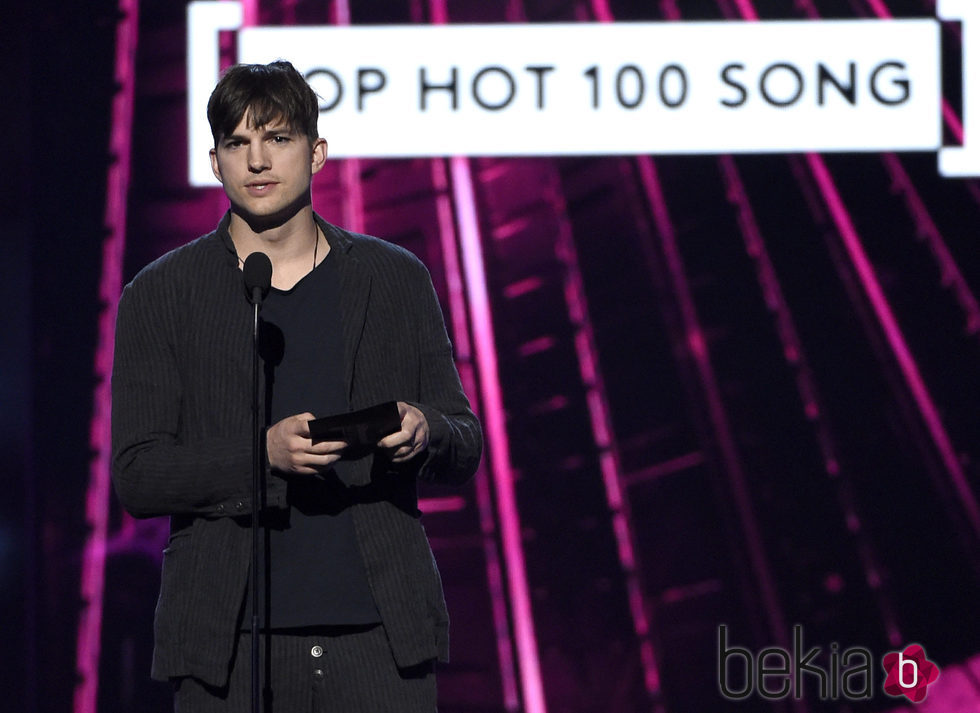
pixel 268 92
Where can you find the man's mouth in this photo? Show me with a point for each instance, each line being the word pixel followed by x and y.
pixel 259 188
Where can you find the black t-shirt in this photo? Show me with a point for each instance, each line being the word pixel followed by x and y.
pixel 317 575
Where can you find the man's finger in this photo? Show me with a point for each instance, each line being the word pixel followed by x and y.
pixel 326 447
pixel 311 464
pixel 394 440
pixel 302 424
pixel 403 454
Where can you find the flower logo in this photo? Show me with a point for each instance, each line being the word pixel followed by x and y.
pixel 909 673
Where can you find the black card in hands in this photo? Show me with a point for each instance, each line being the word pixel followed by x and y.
pixel 358 429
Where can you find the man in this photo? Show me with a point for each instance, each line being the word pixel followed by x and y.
pixel 354 605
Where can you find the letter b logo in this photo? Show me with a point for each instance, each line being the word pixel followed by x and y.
pixel 909 673
pixel 902 680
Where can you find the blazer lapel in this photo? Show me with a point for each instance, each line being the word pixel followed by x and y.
pixel 355 290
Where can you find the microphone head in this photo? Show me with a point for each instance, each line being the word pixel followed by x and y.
pixel 257 272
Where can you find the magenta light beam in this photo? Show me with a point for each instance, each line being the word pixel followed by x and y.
pixel 953 123
pixel 608 448
pixel 493 411
pixel 926 227
pixel 485 348
pixel 484 500
pixel 896 340
pixel 110 286
pixel 698 349
pixel 927 230
pixel 886 318
pixel 350 169
pixel 250 13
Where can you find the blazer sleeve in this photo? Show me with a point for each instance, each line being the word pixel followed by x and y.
pixel 155 470
pixel 455 438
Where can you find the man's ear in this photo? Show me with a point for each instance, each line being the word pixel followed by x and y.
pixel 214 164
pixel 319 154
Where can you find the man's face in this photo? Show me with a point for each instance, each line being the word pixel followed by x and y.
pixel 266 171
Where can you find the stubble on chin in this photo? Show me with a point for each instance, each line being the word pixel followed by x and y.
pixel 259 223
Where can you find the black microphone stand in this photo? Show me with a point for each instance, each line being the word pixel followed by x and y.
pixel 256 490
pixel 257 273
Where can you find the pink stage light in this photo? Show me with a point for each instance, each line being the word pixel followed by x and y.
pixel 888 322
pixel 110 286
pixel 453 503
pixel 484 500
pixel 496 430
pixel 879 303
pixel 896 340
pixel 805 382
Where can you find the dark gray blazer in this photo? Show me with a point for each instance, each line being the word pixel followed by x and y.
pixel 181 432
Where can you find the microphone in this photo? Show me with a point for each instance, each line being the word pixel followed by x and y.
pixel 257 272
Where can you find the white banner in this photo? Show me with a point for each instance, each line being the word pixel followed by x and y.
pixel 620 88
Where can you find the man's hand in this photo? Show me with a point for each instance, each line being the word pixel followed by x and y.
pixel 411 440
pixel 292 451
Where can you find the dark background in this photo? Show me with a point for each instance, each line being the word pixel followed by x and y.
pixel 694 550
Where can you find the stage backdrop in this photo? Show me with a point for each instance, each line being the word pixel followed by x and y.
pixel 710 272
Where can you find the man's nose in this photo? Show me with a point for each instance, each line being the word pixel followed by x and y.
pixel 258 158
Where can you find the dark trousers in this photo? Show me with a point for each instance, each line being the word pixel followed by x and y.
pixel 334 670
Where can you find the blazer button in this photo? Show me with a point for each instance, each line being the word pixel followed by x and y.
pixel 316 652
pixel 240 506
pixel 221 508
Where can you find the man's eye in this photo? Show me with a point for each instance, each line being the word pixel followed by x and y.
pixel 280 139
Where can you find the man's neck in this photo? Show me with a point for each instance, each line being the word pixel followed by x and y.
pixel 293 246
